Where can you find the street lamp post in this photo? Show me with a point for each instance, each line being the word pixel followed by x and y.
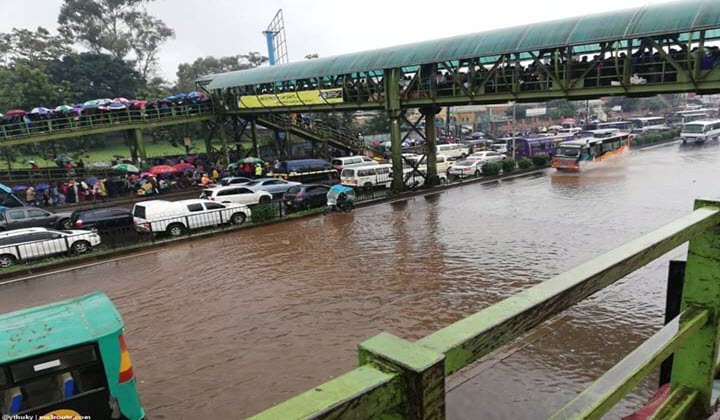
pixel 513 131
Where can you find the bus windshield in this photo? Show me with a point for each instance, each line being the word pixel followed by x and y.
pixel 693 128
pixel 568 151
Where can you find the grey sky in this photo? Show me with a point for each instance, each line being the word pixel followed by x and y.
pixel 326 27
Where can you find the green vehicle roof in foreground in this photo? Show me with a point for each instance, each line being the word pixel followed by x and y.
pixel 47 328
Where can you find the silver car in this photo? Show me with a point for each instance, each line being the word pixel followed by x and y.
pixel 274 186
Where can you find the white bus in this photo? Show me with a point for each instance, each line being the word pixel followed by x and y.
pixel 700 131
pixel 647 124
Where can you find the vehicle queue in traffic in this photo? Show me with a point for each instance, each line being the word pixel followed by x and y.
pixel 31 233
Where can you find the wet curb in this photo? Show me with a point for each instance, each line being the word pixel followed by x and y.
pixel 16 275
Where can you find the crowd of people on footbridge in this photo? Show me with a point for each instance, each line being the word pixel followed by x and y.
pixel 16 122
pixel 648 65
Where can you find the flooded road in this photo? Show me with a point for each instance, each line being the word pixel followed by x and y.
pixel 230 325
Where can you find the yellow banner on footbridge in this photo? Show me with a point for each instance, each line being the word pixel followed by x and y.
pixel 287 99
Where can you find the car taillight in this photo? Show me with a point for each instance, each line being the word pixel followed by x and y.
pixel 79 223
pixel 126 372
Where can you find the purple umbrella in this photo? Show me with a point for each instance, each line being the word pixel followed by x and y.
pixel 40 110
pixel 117 106
pixel 19 188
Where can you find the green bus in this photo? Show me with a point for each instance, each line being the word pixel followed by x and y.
pixel 67 360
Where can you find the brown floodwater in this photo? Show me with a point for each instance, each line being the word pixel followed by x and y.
pixel 230 325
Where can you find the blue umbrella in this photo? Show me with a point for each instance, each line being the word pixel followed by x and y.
pixel 5 188
pixel 40 110
pixel 19 188
pixel 42 187
pixel 91 180
pixel 117 106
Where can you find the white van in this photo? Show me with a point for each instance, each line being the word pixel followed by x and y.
pixel 367 176
pixel 443 162
pixel 700 131
pixel 455 150
pixel 341 162
pixel 175 217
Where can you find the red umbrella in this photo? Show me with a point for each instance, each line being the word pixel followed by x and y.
pixel 123 100
pixel 183 167
pixel 161 169
pixel 15 113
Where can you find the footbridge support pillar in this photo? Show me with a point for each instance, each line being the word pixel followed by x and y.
pixel 431 144
pixel 392 107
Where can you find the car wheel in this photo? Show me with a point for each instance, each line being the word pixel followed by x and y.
pixel 238 218
pixel 175 230
pixel 264 199
pixel 477 174
pixel 66 224
pixel 6 260
pixel 368 186
pixel 80 247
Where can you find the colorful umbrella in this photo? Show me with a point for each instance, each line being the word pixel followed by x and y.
pixel 250 160
pixel 41 110
pixel 162 169
pixel 145 174
pixel 63 159
pixel 117 106
pixel 15 113
pixel 126 168
pixel 200 96
pixel 91 180
pixel 63 108
pixel 5 188
pixel 19 188
pixel 121 99
pixel 183 167
pixel 42 187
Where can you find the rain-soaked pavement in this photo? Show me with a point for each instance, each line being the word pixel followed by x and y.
pixel 230 325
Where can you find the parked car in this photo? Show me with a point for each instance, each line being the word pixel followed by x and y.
pixel 102 218
pixel 33 243
pixel 232 180
pixel 276 187
pixel 466 168
pixel 238 194
pixel 114 225
pixel 176 217
pixel 341 162
pixel 26 217
pixel 306 196
pixel 499 147
pixel 486 156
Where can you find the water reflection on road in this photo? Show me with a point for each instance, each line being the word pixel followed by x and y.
pixel 233 324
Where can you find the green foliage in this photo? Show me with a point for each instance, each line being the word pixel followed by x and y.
pixel 263 213
pixel 508 165
pixel 187 73
pixel 92 75
pixel 24 86
pixel 525 163
pixel 561 108
pixel 116 27
pixel 540 160
pixel 490 169
pixel 377 124
pixel 520 111
pixel 652 138
pixel 26 46
pixel 655 104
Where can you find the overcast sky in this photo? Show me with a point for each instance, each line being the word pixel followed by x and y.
pixel 326 27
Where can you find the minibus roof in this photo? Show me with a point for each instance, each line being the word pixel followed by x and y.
pixel 42 329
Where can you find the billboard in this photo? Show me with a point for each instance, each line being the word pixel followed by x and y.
pixel 299 98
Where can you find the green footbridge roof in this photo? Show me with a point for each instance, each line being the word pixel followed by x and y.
pixel 667 18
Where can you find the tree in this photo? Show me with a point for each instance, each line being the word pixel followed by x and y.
pixel 377 124
pixel 25 87
pixel 92 75
pixel 561 108
pixel 150 33
pixel 187 73
pixel 32 46
pixel 116 27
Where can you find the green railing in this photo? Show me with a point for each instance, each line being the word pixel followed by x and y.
pixel 403 379
pixel 317 129
pixel 20 128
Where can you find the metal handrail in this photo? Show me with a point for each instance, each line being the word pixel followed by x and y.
pixel 424 364
pixel 27 127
